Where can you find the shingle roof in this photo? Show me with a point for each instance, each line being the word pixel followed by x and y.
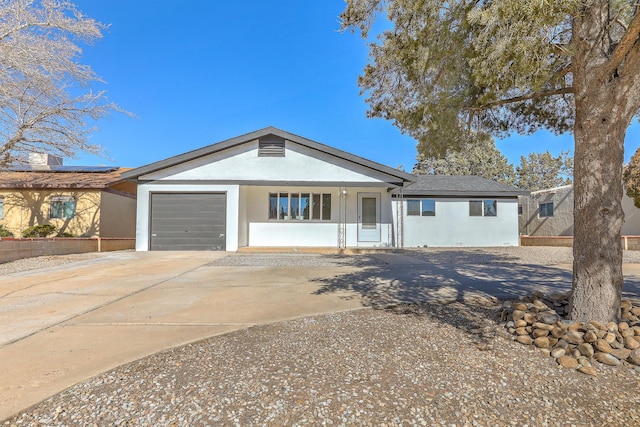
pixel 62 180
pixel 464 186
pixel 401 176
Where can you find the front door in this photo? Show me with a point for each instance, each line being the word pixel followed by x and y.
pixel 368 217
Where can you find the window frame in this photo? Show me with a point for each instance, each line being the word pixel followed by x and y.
pixel 411 211
pixel 316 209
pixel 482 213
pixel 546 206
pixel 63 209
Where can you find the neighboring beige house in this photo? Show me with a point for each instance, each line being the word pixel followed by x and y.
pixel 82 201
pixel 550 213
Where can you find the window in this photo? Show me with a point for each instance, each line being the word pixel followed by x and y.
pixel 299 206
pixel 475 207
pixel 520 210
pixel 1 207
pixel 421 207
pixel 63 207
pixel 490 208
pixel 271 146
pixel 483 207
pixel 546 210
pixel 413 207
pixel 369 211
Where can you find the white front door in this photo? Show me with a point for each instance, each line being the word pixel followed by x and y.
pixel 368 217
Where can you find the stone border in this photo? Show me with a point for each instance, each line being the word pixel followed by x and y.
pixel 537 321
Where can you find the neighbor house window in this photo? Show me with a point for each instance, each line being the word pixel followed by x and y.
pixel 1 207
pixel 520 210
pixel 483 207
pixel 546 210
pixel 63 207
pixel 421 207
pixel 300 206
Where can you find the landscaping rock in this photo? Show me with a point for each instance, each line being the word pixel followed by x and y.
pixel 549 318
pixel 520 323
pixel 574 345
pixel 524 339
pixel 629 332
pixel 541 342
pixel 602 346
pixel 634 357
pixel 573 337
pixel 517 315
pixel 589 370
pixel 590 337
pixel 631 343
pixel 537 333
pixel 586 350
pixel 609 337
pixel 598 325
pixel 567 362
pixel 545 326
pixel 519 306
pixel 606 359
pixel 621 353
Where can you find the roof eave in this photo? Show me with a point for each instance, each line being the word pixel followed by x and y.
pixel 223 145
pixel 441 193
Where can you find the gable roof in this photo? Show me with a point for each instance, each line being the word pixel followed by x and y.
pixel 223 145
pixel 463 186
pixel 60 179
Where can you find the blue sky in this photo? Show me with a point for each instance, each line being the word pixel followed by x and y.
pixel 197 72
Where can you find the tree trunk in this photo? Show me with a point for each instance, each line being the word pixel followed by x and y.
pixel 598 215
pixel 602 117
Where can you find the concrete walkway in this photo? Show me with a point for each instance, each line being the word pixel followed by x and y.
pixel 62 325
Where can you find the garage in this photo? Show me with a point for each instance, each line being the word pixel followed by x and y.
pixel 188 221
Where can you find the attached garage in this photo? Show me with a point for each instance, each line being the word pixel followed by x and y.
pixel 188 221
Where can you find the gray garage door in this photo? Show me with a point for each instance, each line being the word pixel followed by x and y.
pixel 188 222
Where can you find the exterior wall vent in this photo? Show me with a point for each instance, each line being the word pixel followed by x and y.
pixel 271 146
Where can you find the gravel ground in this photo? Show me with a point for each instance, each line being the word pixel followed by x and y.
pixel 298 260
pixel 437 364
pixel 539 255
pixel 27 264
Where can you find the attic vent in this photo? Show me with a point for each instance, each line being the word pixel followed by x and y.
pixel 271 146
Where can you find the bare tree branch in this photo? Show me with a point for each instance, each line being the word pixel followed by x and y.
pixel 42 107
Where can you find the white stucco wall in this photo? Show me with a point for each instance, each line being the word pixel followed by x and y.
pixel 452 226
pixel 242 164
pixel 265 232
pixel 144 198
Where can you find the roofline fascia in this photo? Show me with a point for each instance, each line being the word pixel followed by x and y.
pixel 133 174
pixel 462 194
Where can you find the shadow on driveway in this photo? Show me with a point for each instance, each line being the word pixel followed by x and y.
pixel 467 292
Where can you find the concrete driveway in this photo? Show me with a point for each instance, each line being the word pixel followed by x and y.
pixel 61 325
